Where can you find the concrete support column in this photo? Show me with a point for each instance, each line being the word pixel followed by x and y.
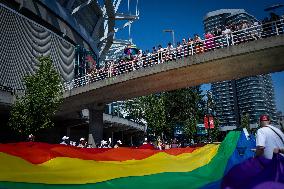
pixel 68 131
pixel 236 103
pixel 96 125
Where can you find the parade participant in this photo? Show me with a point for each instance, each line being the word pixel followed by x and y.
pixel 145 141
pixel 167 146
pixel 72 143
pixel 278 150
pixel 174 143
pixel 31 138
pixel 118 143
pixel 82 143
pixel 147 145
pixel 64 140
pixel 109 143
pixel 159 143
pixel 103 144
pixel 268 137
pixel 192 142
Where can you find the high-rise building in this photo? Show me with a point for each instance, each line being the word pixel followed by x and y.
pixel 223 17
pixel 252 95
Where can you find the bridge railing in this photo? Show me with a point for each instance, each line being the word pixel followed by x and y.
pixel 255 32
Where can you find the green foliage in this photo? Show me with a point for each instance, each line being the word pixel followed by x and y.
pixel 43 95
pixel 185 106
pixel 154 109
pixel 150 109
pixel 189 127
pixel 245 121
pixel 134 110
pixel 163 111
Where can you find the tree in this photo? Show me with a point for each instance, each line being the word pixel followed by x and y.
pixel 184 106
pixel 43 95
pixel 163 111
pixel 134 110
pixel 189 127
pixel 245 121
pixel 150 109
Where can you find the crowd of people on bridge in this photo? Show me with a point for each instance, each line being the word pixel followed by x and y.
pixel 221 37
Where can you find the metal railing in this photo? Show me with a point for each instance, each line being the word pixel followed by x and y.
pixel 255 32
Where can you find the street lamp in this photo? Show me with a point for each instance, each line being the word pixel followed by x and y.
pixel 208 94
pixel 173 35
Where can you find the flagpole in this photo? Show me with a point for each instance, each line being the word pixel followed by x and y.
pixel 208 119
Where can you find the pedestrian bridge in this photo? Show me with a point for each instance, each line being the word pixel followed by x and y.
pixel 246 59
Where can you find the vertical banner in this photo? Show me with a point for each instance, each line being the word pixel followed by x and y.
pixel 208 118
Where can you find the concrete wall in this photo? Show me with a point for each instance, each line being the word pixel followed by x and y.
pixel 22 41
pixel 6 98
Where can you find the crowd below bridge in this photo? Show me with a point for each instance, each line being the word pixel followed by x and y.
pixel 147 144
pixel 233 34
pixel 268 139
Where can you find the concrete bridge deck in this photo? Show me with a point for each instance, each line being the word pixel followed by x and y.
pixel 246 59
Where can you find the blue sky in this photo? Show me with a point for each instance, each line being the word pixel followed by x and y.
pixel 185 18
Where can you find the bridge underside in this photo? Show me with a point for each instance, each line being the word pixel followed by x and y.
pixel 248 59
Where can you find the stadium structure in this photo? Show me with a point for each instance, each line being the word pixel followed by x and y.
pixel 76 34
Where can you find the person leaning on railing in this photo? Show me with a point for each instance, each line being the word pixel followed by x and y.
pixel 198 44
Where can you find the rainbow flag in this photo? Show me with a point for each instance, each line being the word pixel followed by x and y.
pixel 40 165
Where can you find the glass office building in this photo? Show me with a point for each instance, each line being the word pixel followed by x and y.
pixel 235 98
pixel 223 17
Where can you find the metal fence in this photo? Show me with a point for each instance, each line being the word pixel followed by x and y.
pixel 115 68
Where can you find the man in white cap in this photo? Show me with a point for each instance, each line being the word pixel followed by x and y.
pixel 103 144
pixel 268 138
pixel 64 140
pixel 82 143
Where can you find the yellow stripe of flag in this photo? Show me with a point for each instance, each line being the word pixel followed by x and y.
pixel 64 170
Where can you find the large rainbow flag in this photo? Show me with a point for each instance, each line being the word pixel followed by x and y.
pixel 40 165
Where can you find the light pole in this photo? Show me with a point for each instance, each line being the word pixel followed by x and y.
pixel 173 35
pixel 208 114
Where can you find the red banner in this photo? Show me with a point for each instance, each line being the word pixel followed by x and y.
pixel 91 60
pixel 208 118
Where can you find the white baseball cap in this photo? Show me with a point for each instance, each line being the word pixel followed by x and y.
pixel 82 139
pixel 104 142
pixel 65 138
pixel 119 142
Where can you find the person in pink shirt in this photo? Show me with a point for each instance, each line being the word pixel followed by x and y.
pixel 209 45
